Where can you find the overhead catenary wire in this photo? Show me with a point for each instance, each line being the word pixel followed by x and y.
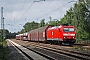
pixel 27 10
pixel 42 10
pixel 57 9
pixel 23 5
pixel 30 7
pixel 45 7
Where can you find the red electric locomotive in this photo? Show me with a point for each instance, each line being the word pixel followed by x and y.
pixel 62 34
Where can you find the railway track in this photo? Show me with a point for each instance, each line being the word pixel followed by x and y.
pixel 54 49
pixel 20 48
pixel 70 53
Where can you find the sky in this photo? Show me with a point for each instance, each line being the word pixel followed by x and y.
pixel 18 12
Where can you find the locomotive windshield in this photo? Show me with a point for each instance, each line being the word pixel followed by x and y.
pixel 71 29
pixel 68 29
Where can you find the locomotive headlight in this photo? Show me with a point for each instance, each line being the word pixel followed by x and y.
pixel 64 37
pixel 73 37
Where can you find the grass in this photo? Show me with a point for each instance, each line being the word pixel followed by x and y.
pixel 3 50
pixel 83 41
pixel 80 48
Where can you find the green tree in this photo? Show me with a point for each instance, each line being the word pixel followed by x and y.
pixel 29 26
pixel 42 23
pixel 87 18
pixel 3 33
pixel 78 16
pixel 63 20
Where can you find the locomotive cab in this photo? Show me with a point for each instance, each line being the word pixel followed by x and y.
pixel 69 34
pixel 62 34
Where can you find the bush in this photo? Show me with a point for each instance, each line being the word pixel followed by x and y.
pixel 3 50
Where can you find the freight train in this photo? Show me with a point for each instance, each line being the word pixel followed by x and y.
pixel 62 34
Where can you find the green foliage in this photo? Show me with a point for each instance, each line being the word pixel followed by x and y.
pixel 3 34
pixel 53 23
pixel 80 48
pixel 63 20
pixel 3 50
pixel 10 35
pixel 32 25
pixel 42 23
pixel 79 16
pixel 0 38
pixel 29 26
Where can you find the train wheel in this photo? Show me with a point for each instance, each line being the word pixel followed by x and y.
pixel 51 42
pixel 71 44
pixel 60 43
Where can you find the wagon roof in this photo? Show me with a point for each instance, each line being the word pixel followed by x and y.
pixel 41 29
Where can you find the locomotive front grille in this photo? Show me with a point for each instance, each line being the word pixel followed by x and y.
pixel 69 40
